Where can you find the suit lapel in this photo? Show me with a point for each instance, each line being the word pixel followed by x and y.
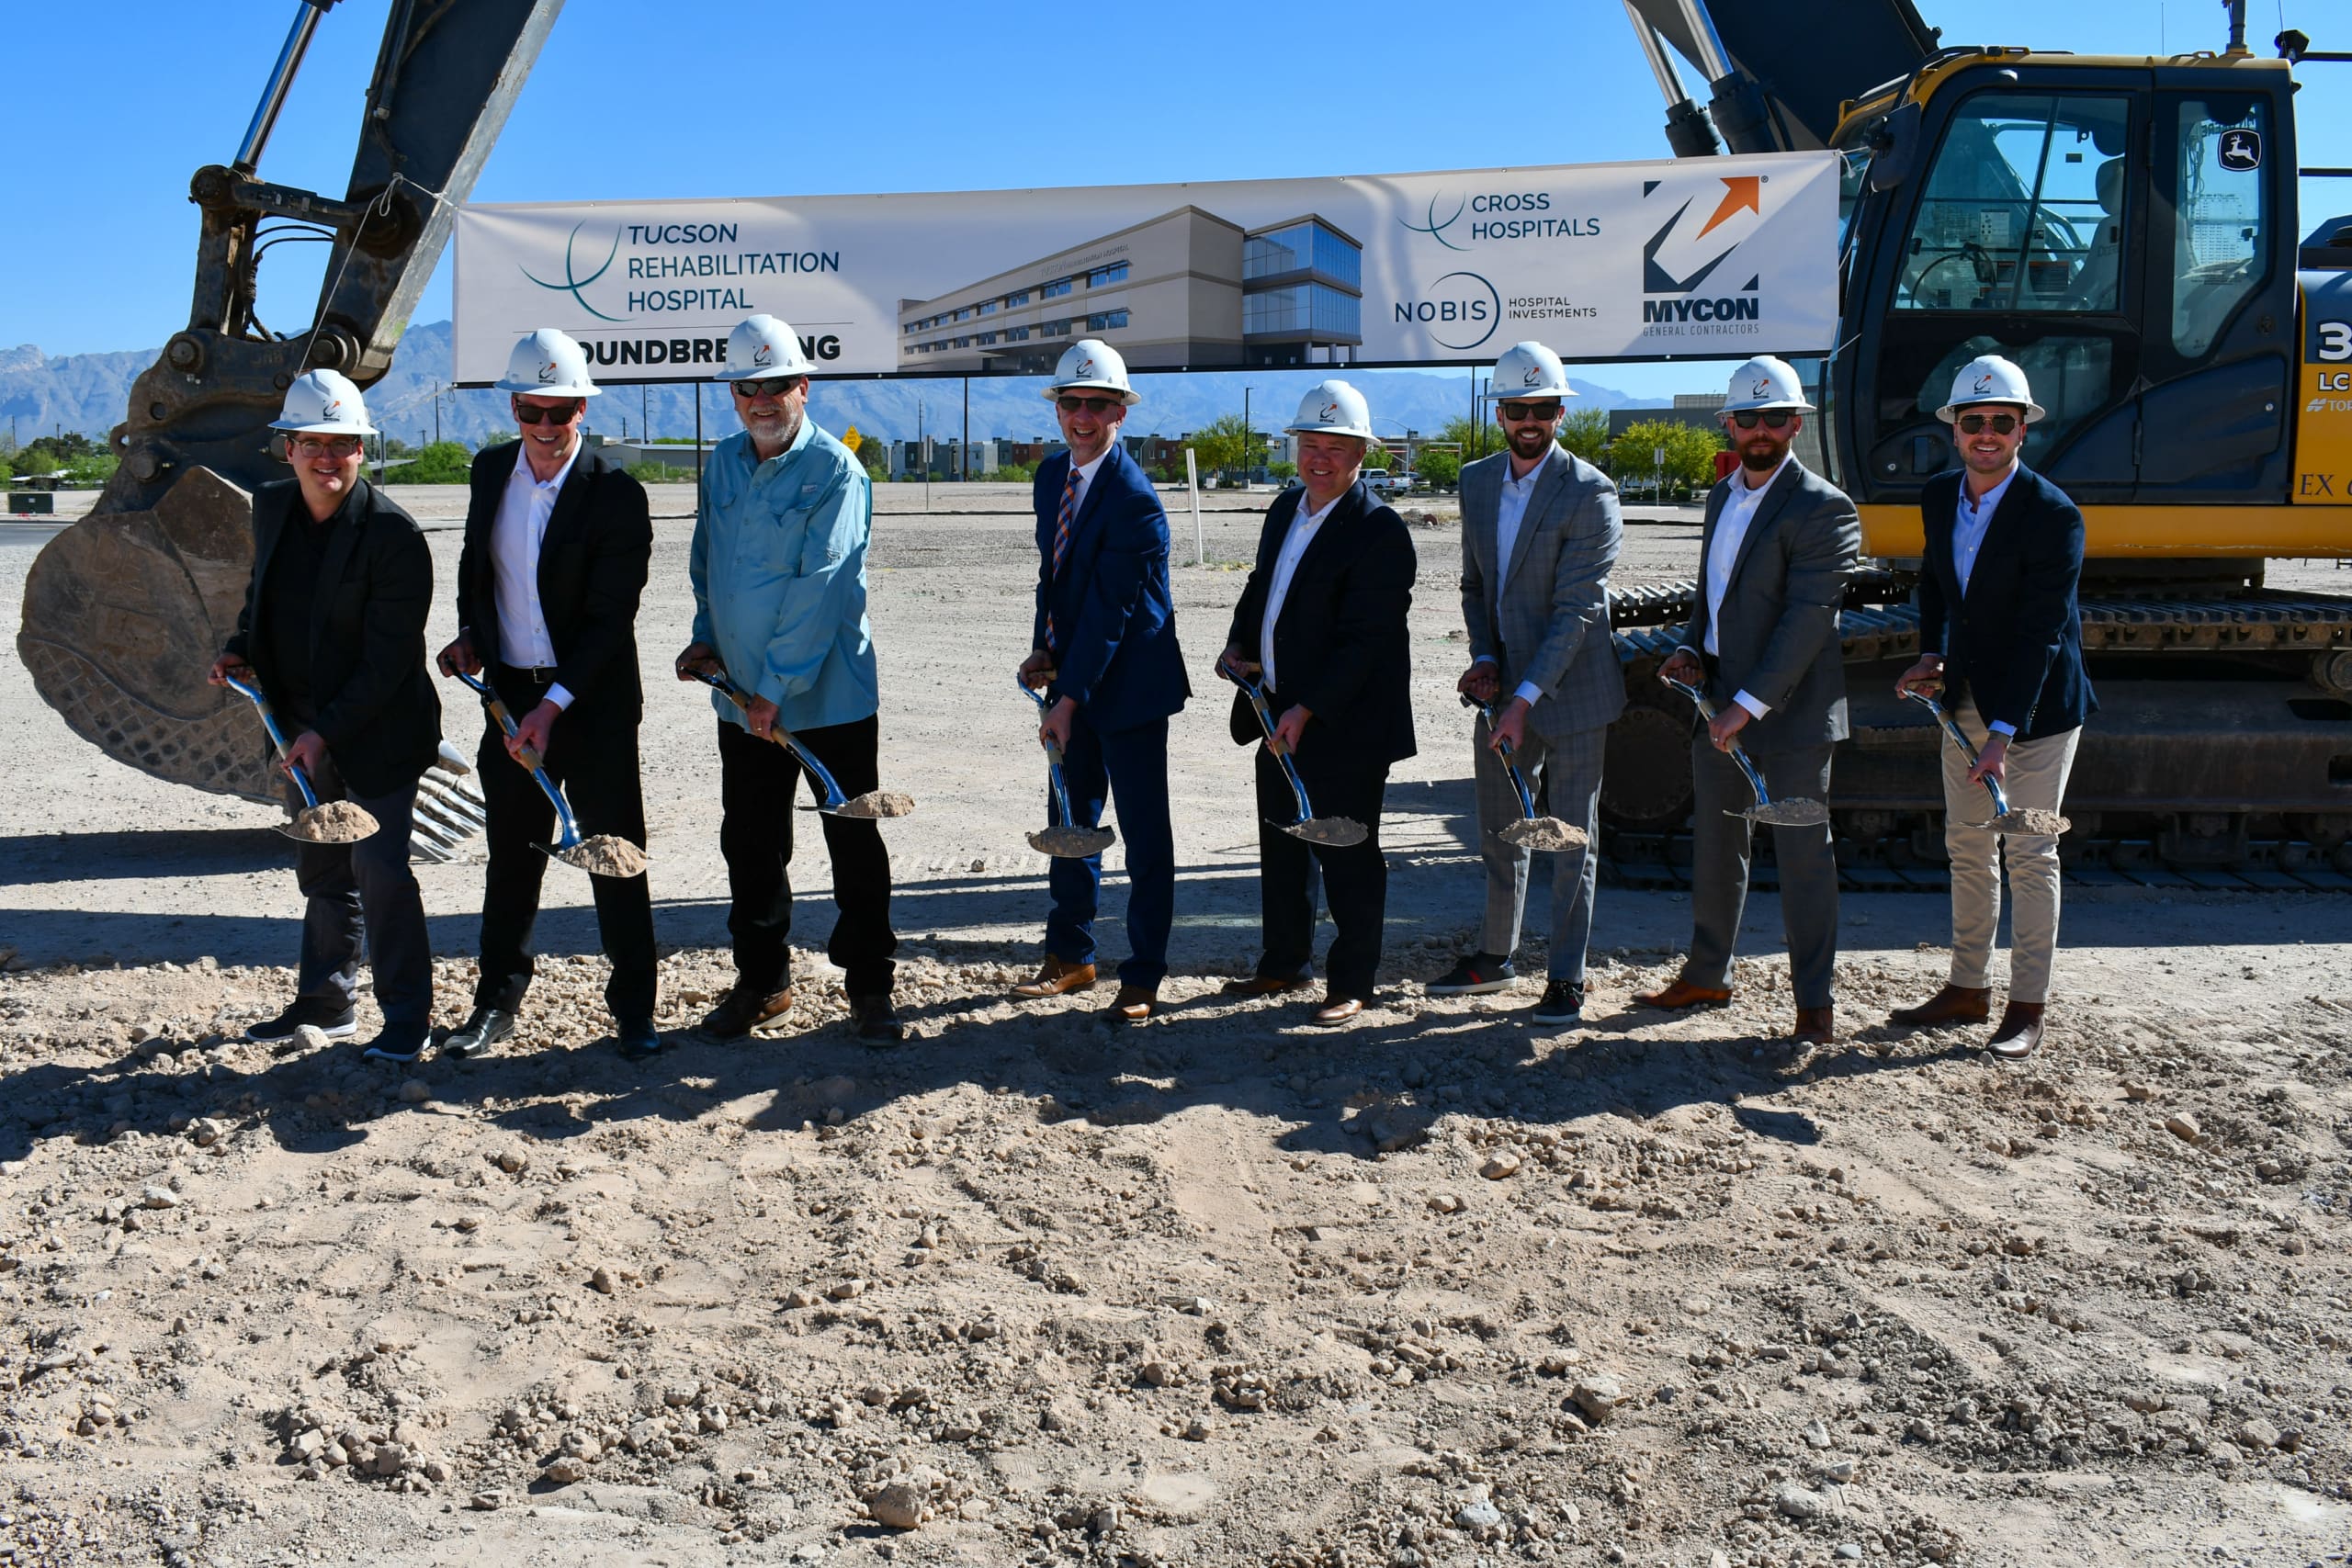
pixel 1776 496
pixel 571 505
pixel 2002 522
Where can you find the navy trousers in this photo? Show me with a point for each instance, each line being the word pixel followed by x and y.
pixel 1131 767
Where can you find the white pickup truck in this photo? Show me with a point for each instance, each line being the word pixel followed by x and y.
pixel 1389 481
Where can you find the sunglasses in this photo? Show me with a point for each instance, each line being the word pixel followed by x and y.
pixel 1092 405
pixel 561 414
pixel 333 446
pixel 1517 411
pixel 773 387
pixel 1974 423
pixel 1771 419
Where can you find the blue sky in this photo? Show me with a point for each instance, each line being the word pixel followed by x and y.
pixel 721 98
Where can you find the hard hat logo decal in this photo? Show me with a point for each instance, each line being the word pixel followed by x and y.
pixel 1086 366
pixel 1533 375
pixel 1984 382
pixel 1762 388
pixel 333 408
pixel 1330 414
pixel 764 354
pixel 547 372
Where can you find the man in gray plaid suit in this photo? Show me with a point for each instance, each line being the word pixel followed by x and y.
pixel 1539 535
pixel 1779 546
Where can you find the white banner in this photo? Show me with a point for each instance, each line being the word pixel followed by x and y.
pixel 1714 256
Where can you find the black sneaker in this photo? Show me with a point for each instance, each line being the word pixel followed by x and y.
pixel 877 1024
pixel 1562 1003
pixel 1474 976
pixel 744 1008
pixel 484 1028
pixel 334 1025
pixel 639 1040
pixel 400 1044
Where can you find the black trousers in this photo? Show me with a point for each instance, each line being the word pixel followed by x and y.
pixel 364 892
pixel 594 758
pixel 1355 879
pixel 757 781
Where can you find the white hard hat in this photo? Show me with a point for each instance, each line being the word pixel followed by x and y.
pixel 1765 382
pixel 323 402
pixel 1092 366
pixel 1529 370
pixel 1989 379
pixel 761 347
pixel 1332 408
pixel 548 364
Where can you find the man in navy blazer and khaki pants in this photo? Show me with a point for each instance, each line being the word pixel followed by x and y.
pixel 1103 646
pixel 2001 630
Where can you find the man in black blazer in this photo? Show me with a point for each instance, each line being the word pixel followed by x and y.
pixel 2001 631
pixel 557 543
pixel 332 632
pixel 1322 621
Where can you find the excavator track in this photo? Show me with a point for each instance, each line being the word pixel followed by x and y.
pixel 2217 783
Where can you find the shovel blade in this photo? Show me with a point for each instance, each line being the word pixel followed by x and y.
pixel 2027 822
pixel 1071 843
pixel 335 822
pixel 604 854
pixel 1541 833
pixel 1338 832
pixel 874 804
pixel 1786 813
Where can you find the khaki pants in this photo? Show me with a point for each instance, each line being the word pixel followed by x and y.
pixel 2035 776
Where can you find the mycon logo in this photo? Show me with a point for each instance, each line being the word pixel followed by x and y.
pixel 332 410
pixel 1681 260
pixel 546 373
pixel 1983 383
pixel 763 355
pixel 1531 376
pixel 1330 414
pixel 572 282
pixel 1762 388
pixel 1086 366
pixel 1435 228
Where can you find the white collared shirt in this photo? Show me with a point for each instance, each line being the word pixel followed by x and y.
pixel 1085 482
pixel 1731 532
pixel 515 536
pixel 1302 526
pixel 1510 511
pixel 1969 521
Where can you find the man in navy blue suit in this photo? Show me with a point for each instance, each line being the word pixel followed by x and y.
pixel 1103 647
pixel 2000 630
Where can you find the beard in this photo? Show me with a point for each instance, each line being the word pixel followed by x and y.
pixel 1759 460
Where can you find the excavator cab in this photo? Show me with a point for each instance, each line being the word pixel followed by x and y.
pixel 2123 229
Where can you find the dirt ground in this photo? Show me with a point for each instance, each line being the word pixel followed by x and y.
pixel 1441 1289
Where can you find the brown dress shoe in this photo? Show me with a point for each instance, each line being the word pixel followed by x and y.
pixel 2019 1035
pixel 1683 994
pixel 1132 1005
pixel 1337 1009
pixel 1953 1004
pixel 1256 986
pixel 1053 977
pixel 1815 1026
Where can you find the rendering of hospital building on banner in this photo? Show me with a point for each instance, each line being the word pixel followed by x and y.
pixel 1185 290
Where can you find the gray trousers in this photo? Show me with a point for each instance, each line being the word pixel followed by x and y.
pixel 365 886
pixel 1567 775
pixel 1719 850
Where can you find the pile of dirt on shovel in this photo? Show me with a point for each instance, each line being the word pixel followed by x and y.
pixel 607 855
pixel 332 822
pixel 886 803
pixel 1544 833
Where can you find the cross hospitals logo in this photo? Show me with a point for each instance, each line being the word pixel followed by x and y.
pixel 1435 228
pixel 1677 263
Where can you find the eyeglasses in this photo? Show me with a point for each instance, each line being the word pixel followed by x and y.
pixel 1771 419
pixel 332 447
pixel 1092 405
pixel 1518 411
pixel 557 413
pixel 1974 423
pixel 773 387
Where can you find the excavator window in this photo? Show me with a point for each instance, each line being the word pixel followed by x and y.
pixel 2221 226
pixel 2023 211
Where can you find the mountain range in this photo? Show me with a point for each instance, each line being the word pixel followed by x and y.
pixel 88 393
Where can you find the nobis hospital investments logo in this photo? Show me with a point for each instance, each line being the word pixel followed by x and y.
pixel 1691 266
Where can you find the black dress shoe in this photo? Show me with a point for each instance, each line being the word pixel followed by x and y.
pixel 743 1010
pixel 639 1039
pixel 484 1028
pixel 399 1045
pixel 334 1025
pixel 877 1024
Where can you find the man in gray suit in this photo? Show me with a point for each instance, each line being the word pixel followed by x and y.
pixel 1779 546
pixel 1539 535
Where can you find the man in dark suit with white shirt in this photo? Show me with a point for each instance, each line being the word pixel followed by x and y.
pixel 557 546
pixel 1762 641
pixel 1322 620
pixel 2001 631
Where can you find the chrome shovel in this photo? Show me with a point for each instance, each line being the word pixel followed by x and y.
pixel 606 855
pixel 2006 819
pixel 1771 813
pixel 335 822
pixel 1063 838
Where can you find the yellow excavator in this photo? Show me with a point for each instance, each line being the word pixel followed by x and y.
pixel 2124 228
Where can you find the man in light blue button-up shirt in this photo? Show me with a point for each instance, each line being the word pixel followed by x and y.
pixel 778 566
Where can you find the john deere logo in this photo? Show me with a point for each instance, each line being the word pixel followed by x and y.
pixel 572 282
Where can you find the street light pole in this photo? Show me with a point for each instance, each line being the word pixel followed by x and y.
pixel 1248 435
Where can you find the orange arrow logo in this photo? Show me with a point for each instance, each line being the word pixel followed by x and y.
pixel 1740 191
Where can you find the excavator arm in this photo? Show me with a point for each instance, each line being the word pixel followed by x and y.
pixel 1777 77
pixel 124 611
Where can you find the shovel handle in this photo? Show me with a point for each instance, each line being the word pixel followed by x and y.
pixel 1518 779
pixel 1053 752
pixel 832 797
pixel 277 739
pixel 1738 752
pixel 1959 738
pixel 1257 694
pixel 569 835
